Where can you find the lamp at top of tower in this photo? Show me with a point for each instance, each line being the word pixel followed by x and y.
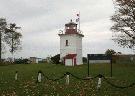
pixel 71 28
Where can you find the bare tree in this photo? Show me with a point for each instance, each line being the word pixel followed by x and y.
pixel 2 30
pixel 124 23
pixel 12 37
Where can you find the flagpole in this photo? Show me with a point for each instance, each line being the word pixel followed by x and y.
pixel 79 21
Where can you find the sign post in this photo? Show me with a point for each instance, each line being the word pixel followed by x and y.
pixel 88 66
pixel 99 58
pixel 111 66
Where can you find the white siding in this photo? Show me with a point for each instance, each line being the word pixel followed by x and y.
pixel 75 46
pixel 36 61
pixel 79 49
pixel 68 62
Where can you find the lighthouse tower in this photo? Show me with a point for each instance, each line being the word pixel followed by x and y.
pixel 71 45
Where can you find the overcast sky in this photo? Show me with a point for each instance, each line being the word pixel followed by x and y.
pixel 41 21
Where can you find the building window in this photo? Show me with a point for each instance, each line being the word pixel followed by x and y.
pixel 66 42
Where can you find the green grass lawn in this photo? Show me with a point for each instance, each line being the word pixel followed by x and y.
pixel 123 74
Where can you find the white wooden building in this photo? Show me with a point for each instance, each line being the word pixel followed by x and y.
pixel 35 60
pixel 71 45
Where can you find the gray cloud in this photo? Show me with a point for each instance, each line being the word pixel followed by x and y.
pixel 42 19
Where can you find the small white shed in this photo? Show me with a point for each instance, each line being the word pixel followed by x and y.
pixel 70 60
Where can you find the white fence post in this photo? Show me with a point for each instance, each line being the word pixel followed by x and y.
pixel 99 83
pixel 16 75
pixel 39 76
pixel 67 79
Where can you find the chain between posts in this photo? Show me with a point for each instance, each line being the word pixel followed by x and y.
pixel 98 76
pixel 116 86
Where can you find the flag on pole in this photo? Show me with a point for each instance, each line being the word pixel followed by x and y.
pixel 77 20
pixel 78 17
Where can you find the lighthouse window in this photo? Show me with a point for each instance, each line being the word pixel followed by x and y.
pixel 66 42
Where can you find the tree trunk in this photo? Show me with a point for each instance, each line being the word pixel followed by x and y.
pixel 0 47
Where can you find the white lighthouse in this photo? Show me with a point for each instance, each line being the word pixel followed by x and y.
pixel 71 45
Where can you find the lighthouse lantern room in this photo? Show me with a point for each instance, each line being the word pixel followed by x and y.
pixel 71 45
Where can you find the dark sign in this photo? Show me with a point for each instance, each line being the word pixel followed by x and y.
pixel 98 57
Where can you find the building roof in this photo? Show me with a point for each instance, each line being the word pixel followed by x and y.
pixel 70 23
pixel 70 56
pixel 71 29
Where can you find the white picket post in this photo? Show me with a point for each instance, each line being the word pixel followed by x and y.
pixel 67 79
pixel 39 77
pixel 99 83
pixel 16 75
